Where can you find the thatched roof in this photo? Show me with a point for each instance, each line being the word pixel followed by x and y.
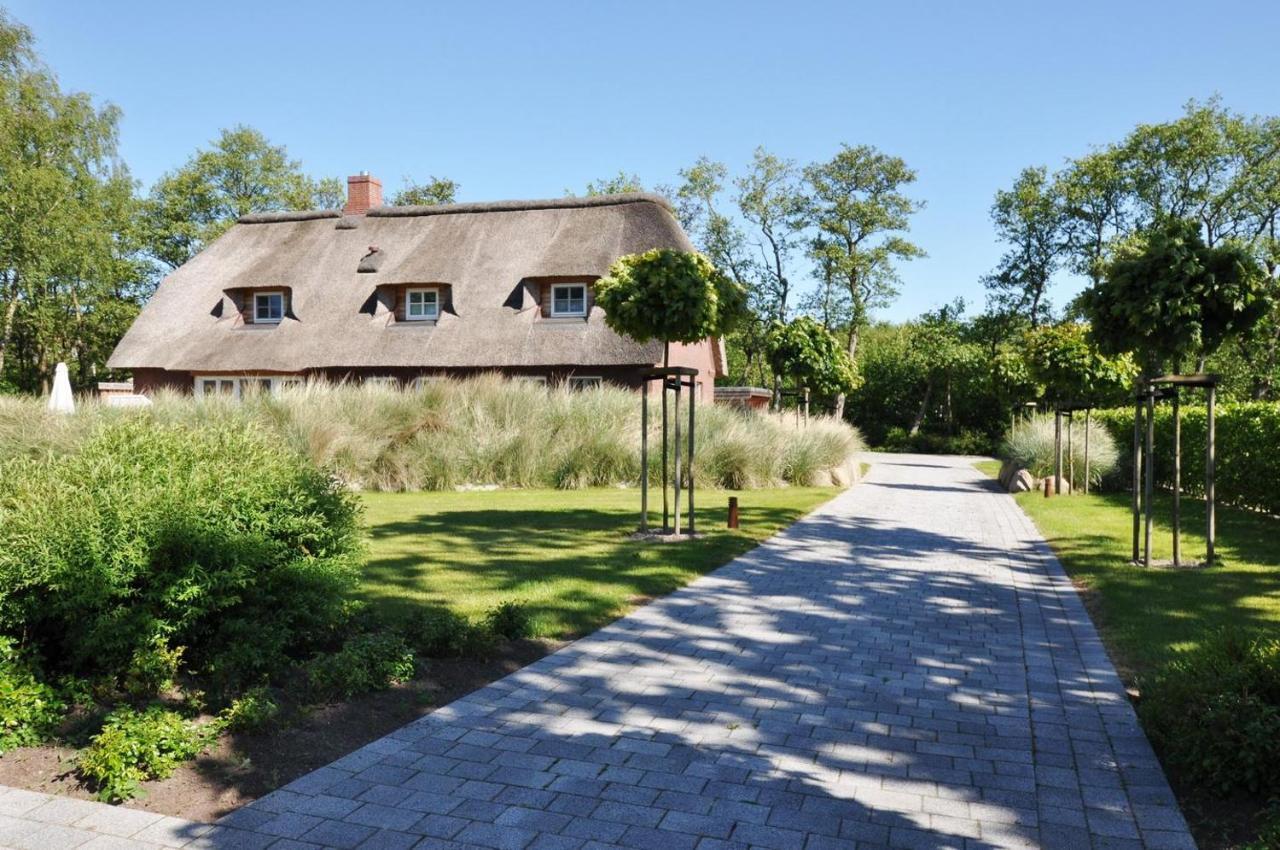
pixel 483 251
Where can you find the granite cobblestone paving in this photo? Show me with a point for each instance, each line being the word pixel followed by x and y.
pixel 907 667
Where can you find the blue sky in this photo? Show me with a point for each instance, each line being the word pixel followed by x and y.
pixel 524 100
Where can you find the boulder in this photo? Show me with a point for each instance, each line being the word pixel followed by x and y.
pixel 1007 471
pixel 1021 481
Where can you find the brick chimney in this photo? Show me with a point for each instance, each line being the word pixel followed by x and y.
pixel 363 193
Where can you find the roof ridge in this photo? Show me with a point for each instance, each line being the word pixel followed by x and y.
pixel 516 206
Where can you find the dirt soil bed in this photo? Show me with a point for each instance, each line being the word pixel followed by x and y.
pixel 244 767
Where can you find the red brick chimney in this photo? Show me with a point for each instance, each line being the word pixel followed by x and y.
pixel 363 193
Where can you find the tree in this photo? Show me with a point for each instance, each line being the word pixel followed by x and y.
pixel 1070 370
pixel 437 190
pixel 1095 194
pixel 858 206
pixel 806 352
pixel 620 184
pixel 1030 219
pixel 1168 297
pixel 241 173
pixel 674 296
pixel 769 197
pixel 69 277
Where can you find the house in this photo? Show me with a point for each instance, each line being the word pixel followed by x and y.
pixel 406 294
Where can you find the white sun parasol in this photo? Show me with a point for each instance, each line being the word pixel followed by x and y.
pixel 61 400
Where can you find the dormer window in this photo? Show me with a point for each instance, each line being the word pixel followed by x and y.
pixel 268 308
pixel 568 300
pixel 422 305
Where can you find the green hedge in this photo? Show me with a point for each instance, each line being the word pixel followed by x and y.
pixel 1248 450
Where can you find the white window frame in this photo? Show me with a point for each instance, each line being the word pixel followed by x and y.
pixel 239 383
pixel 268 294
pixel 421 381
pixel 380 381
pixel 568 314
pixel 540 380
pixel 408 303
pixel 585 382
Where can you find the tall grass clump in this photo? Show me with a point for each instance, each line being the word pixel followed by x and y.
pixel 482 431
pixel 1029 445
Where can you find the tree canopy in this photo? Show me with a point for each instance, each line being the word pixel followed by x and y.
pixel 1169 297
pixel 241 172
pixel 436 190
pixel 810 355
pixel 1070 370
pixel 673 296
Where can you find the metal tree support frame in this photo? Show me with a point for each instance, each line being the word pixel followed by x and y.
pixel 1170 387
pixel 673 379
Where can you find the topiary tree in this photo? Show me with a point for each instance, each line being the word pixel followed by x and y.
pixel 674 296
pixel 1167 296
pixel 812 356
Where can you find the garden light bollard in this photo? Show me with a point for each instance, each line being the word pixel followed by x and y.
pixel 733 512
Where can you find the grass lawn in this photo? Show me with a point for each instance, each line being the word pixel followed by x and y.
pixel 565 553
pixel 1145 615
pixel 990 468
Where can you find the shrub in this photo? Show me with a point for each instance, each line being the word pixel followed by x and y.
pixel 135 746
pixel 1246 434
pixel 1029 445
pixel 1214 713
pixel 153 668
pixel 29 709
pixel 510 620
pixel 252 712
pixel 437 633
pixel 208 534
pixel 366 662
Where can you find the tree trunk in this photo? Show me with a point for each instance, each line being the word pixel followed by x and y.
pixel 840 407
pixel 924 408
pixel 9 312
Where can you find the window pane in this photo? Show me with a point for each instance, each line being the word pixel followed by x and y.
pixel 269 307
pixel 207 386
pixel 569 300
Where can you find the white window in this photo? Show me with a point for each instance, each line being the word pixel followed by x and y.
pixel 243 386
pixel 380 381
pixel 584 382
pixel 422 305
pixel 540 380
pixel 422 381
pixel 268 308
pixel 569 299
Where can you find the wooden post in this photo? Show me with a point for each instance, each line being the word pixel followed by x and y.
pixel 1137 477
pixel 666 516
pixel 1048 487
pixel 1210 465
pixel 1071 451
pixel 644 457
pixel 806 405
pixel 733 512
pixel 1177 477
pixel 676 416
pixel 1057 451
pixel 1088 421
pixel 693 393
pixel 1150 478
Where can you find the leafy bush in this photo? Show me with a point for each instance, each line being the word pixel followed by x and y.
pixel 135 746
pixel 437 633
pixel 1214 713
pixel 366 662
pixel 1247 435
pixel 510 620
pixel 29 709
pixel 966 442
pixel 206 534
pixel 153 668
pixel 1029 445
pixel 252 712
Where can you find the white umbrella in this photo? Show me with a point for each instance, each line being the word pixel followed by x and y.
pixel 61 400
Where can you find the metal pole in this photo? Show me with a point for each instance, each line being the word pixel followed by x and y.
pixel 1137 477
pixel 1210 468
pixel 806 405
pixel 693 394
pixel 666 516
pixel 644 457
pixel 1177 477
pixel 676 416
pixel 1088 415
pixel 1150 478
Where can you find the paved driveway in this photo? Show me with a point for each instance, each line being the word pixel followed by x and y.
pixel 907 667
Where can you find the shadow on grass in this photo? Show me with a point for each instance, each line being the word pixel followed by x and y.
pixel 1149 613
pixel 584 554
